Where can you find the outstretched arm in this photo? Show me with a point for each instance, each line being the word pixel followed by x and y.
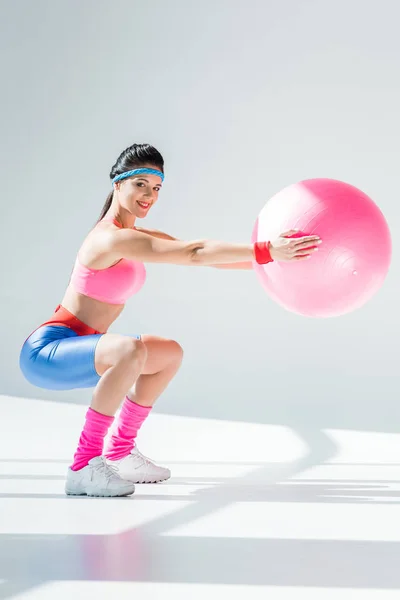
pixel 137 245
pixel 158 234
pixel 165 236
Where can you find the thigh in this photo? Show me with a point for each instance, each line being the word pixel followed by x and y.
pixel 56 358
pixel 113 347
pixel 161 353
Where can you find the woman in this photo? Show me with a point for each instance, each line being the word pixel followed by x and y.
pixel 73 349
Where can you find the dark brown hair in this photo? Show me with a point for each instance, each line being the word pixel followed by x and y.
pixel 134 157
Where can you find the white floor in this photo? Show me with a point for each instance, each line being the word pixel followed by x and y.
pixel 250 512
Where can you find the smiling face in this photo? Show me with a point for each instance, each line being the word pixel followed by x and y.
pixel 138 194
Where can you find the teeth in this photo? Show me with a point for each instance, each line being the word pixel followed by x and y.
pixel 143 204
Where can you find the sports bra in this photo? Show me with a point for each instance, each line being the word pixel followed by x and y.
pixel 113 285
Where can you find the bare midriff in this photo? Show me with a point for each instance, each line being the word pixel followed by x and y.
pixel 97 315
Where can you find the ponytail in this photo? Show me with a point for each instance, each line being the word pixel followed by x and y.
pixel 106 206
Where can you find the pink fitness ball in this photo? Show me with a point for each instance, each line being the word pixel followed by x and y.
pixel 351 262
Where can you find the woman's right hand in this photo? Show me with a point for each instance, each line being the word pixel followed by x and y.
pixel 287 248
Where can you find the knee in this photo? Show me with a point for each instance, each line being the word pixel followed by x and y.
pixel 132 350
pixel 140 350
pixel 176 352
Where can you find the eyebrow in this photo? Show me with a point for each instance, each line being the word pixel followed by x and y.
pixel 147 181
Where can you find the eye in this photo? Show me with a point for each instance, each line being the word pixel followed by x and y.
pixel 140 184
pixel 157 189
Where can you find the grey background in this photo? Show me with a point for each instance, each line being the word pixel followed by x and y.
pixel 242 98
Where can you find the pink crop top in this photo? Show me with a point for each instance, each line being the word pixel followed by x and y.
pixel 114 284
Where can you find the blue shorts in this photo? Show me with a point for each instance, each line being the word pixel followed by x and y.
pixel 55 357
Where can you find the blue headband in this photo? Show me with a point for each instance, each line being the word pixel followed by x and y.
pixel 138 172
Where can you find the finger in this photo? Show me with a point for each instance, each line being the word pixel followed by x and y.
pixel 288 233
pixel 310 245
pixel 306 252
pixel 306 257
pixel 308 238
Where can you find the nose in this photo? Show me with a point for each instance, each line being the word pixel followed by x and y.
pixel 151 196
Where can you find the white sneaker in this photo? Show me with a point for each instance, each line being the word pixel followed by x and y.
pixel 137 468
pixel 97 479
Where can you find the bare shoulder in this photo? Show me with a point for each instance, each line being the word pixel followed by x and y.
pixel 99 248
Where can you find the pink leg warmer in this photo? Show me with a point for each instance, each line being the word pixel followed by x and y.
pixel 130 420
pixel 92 438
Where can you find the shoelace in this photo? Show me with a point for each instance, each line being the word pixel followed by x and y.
pixel 146 460
pixel 105 469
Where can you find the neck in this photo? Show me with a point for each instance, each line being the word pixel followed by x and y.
pixel 121 215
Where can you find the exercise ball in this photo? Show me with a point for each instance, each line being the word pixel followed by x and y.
pixel 351 262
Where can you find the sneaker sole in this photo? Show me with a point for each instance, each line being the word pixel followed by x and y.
pixel 128 492
pixel 145 481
